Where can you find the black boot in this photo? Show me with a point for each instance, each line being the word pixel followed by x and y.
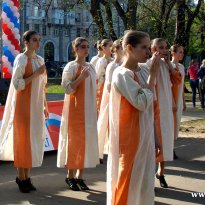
pixel 30 185
pixel 23 185
pixel 82 184
pixel 72 184
pixel 162 181
pixel 175 156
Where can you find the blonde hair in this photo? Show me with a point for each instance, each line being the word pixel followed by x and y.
pixel 77 42
pixel 175 48
pixel 133 38
pixel 116 45
pixel 156 41
pixel 105 42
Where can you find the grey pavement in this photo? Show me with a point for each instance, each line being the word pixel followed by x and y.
pixel 184 176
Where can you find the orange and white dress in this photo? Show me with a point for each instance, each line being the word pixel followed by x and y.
pixel 22 134
pixel 100 71
pixel 177 91
pixel 131 157
pixel 104 110
pixel 78 141
pixel 164 112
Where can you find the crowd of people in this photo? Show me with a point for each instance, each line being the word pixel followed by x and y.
pixel 122 100
pixel 197 81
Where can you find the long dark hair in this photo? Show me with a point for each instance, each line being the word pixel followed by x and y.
pixel 27 35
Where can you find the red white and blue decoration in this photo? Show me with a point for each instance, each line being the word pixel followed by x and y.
pixel 52 124
pixel 11 37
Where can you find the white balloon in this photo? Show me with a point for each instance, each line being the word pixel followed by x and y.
pixel 16 52
pixel 18 36
pixel 4 37
pixel 4 58
pixel 12 47
pixel 6 64
pixel 5 20
pixel 3 15
pixel 18 15
pixel 15 9
pixel 10 25
pixel 11 3
pixel 10 70
pixel 6 41
pixel 16 30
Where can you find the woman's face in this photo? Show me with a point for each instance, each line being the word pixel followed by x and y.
pixel 107 49
pixel 34 42
pixel 142 51
pixel 83 49
pixel 179 55
pixel 161 47
pixel 119 52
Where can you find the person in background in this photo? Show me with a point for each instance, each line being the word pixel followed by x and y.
pixel 177 53
pixel 201 74
pixel 103 125
pixel 106 45
pixel 100 54
pixel 164 120
pixel 192 72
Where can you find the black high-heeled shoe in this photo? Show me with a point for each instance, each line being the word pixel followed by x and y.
pixel 72 183
pixel 23 185
pixel 162 181
pixel 175 156
pixel 30 185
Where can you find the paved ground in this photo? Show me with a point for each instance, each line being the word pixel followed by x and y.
pixel 184 176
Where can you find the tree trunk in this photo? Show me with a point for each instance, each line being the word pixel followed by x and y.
pixel 97 17
pixel 180 35
pixel 183 27
pixel 109 19
pixel 131 14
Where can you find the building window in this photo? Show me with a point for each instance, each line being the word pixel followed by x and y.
pixel 78 32
pixel 87 32
pixel 27 27
pixel 55 3
pixel 55 32
pixel 36 27
pixel 44 31
pixel 78 16
pixel 36 11
pixel 66 32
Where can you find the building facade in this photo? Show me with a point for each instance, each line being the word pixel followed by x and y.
pixel 58 28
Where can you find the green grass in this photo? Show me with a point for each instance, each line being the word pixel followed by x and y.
pixel 54 89
pixel 188 96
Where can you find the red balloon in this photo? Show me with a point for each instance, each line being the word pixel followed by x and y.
pixel 15 42
pixel 16 3
pixel 7 75
pixel 4 26
pixel 4 69
pixel 10 36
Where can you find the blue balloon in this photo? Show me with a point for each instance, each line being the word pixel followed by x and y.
pixel 4 4
pixel 5 48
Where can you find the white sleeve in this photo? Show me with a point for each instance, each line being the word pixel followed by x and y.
pixel 100 71
pixel 140 98
pixel 18 73
pixel 67 78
